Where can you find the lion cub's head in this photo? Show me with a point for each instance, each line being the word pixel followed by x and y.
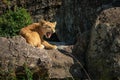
pixel 48 28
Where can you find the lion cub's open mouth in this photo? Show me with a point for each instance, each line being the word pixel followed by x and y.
pixel 48 34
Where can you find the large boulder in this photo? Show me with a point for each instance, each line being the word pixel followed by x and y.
pixel 104 50
pixel 16 55
pixel 99 49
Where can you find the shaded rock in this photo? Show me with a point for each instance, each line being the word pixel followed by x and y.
pixel 80 52
pixel 99 50
pixel 72 16
pixel 81 46
pixel 78 16
pixel 39 9
pixel 103 55
pixel 15 54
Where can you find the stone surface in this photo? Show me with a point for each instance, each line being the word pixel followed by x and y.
pixel 92 24
pixel 99 49
pixel 78 16
pixel 15 53
pixel 104 49
pixel 72 16
pixel 39 9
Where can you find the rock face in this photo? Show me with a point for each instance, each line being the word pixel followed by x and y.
pixel 100 51
pixel 72 16
pixel 104 49
pixel 39 9
pixel 78 16
pixel 15 53
pixel 92 24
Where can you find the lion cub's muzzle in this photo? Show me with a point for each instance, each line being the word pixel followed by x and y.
pixel 49 34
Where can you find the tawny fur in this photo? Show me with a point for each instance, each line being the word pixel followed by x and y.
pixel 34 34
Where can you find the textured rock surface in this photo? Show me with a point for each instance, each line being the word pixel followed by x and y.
pixel 97 49
pixel 38 9
pixel 78 16
pixel 15 52
pixel 100 51
pixel 104 49
pixel 73 16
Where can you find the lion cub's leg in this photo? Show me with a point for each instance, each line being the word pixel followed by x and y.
pixel 33 38
pixel 40 46
pixel 48 45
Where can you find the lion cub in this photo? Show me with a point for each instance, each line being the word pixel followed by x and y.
pixel 34 34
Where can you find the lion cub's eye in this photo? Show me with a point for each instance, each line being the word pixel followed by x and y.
pixel 48 27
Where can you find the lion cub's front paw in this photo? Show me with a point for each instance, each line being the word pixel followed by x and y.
pixel 54 47
pixel 41 46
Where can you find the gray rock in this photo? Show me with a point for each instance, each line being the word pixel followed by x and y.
pixel 72 16
pixel 16 53
pixel 99 51
pixel 104 49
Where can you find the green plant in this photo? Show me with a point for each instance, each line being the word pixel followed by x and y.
pixel 12 21
pixel 25 73
pixel 7 75
pixel 28 72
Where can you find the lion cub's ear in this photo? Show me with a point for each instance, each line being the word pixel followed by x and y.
pixel 42 21
pixel 55 23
